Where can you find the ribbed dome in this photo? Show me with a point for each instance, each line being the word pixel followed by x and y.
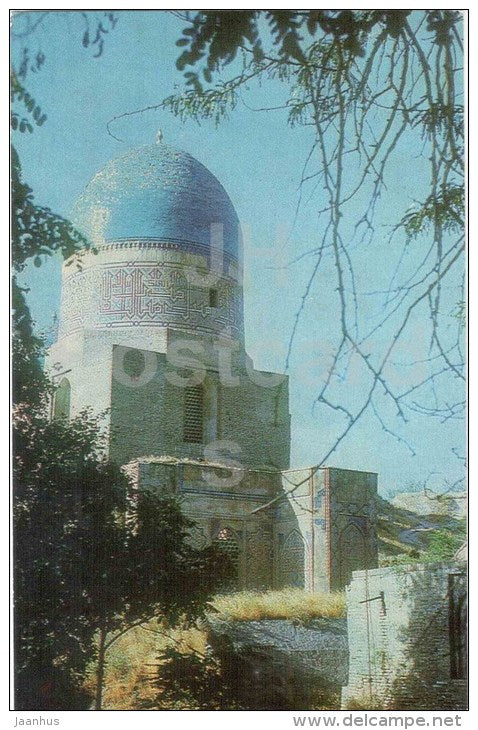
pixel 157 193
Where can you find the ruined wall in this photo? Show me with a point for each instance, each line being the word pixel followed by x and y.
pixel 351 523
pixel 406 635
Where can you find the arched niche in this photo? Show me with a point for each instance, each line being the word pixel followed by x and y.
pixel 352 553
pixel 227 541
pixel 62 400
pixel 292 559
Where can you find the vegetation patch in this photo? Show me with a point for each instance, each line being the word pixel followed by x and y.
pixel 134 660
pixel 289 603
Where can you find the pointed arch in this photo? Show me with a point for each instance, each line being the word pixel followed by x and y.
pixel 352 552
pixel 292 560
pixel 228 542
pixel 62 400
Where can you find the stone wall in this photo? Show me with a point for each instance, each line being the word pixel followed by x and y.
pixel 280 665
pixel 402 651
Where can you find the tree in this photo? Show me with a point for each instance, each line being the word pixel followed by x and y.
pixel 153 572
pixel 191 680
pixel 367 84
pixel 52 461
pixel 91 558
pixel 36 232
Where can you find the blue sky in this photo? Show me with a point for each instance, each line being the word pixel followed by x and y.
pixel 259 160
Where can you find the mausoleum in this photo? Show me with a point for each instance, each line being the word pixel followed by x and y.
pixel 151 338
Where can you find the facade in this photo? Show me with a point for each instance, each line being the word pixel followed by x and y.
pixel 151 338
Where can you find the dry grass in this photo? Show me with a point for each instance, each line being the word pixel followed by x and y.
pixel 132 661
pixel 127 675
pixel 289 603
pixel 132 664
pixel 188 640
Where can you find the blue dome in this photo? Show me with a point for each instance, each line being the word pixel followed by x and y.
pixel 158 194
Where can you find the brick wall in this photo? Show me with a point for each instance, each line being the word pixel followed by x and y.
pixel 399 639
pixel 148 419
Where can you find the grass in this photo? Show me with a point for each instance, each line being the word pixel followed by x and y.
pixel 364 702
pixel 132 661
pixel 289 603
pixel 128 676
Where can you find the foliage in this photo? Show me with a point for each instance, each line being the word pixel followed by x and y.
pixel 132 663
pixel 367 84
pixel 443 544
pixel 440 545
pixel 36 230
pixel 53 461
pixel 195 681
pixel 219 35
pixel 411 558
pixel 94 26
pixel 89 558
pixel 28 379
pixel 288 603
pixel 35 114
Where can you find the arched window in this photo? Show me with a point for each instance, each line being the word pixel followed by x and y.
pixel 61 404
pixel 227 542
pixel 193 414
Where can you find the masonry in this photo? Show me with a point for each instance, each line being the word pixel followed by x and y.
pixel 312 538
pixel 151 340
pixel 408 638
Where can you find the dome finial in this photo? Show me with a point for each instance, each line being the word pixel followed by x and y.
pixel 159 136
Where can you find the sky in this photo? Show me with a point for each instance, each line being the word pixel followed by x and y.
pixel 259 160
